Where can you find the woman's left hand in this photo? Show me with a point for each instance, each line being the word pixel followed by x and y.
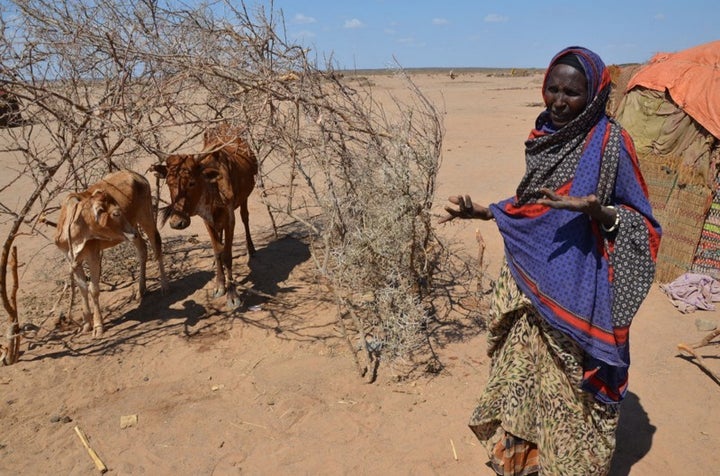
pixel 588 204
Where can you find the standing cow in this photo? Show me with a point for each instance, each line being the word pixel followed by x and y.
pixel 212 184
pixel 104 215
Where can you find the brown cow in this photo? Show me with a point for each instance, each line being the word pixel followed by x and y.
pixel 101 217
pixel 212 184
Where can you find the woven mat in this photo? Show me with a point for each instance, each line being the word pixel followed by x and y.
pixel 681 211
pixel 707 255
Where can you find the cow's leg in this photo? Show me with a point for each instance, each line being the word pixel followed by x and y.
pixel 148 226
pixel 233 301
pixel 94 262
pixel 218 250
pixel 157 249
pixel 245 216
pixel 141 250
pixel 79 275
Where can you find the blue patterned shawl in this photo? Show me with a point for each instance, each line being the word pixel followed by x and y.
pixel 583 281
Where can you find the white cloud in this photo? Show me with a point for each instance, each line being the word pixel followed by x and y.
pixel 304 34
pixel 440 21
pixel 412 42
pixel 495 18
pixel 303 19
pixel 660 16
pixel 354 23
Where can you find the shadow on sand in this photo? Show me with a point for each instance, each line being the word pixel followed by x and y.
pixel 634 436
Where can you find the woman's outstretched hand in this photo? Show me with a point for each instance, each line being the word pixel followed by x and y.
pixel 588 204
pixel 466 209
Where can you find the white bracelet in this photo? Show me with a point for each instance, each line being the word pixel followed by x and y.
pixel 615 225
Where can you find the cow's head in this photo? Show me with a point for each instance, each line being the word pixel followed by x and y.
pixel 188 178
pixel 108 220
pixel 91 215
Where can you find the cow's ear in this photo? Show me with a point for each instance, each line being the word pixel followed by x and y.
pixel 98 205
pixel 73 197
pixel 211 174
pixel 98 196
pixel 99 201
pixel 160 170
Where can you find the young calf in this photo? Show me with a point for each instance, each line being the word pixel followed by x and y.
pixel 104 215
pixel 212 184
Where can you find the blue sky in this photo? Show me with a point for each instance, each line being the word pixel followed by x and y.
pixel 364 34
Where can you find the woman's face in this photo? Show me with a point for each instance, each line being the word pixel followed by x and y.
pixel 565 94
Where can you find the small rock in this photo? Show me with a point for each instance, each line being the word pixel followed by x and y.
pixel 705 325
pixel 127 421
pixel 60 419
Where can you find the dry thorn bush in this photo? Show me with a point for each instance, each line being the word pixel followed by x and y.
pixel 106 84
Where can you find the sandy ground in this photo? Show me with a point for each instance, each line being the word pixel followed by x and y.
pixel 273 390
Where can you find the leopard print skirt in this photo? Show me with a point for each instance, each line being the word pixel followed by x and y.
pixel 533 401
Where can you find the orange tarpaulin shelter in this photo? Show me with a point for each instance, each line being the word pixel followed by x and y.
pixel 691 77
pixel 671 108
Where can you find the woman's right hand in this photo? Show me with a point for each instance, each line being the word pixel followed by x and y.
pixel 466 209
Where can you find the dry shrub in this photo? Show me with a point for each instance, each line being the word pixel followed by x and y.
pixel 107 84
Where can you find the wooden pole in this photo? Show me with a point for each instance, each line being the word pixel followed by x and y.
pixel 96 459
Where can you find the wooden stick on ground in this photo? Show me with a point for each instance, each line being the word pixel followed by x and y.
pixel 96 459
pixel 690 349
pixel 707 339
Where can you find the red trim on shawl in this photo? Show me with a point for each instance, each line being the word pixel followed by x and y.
pixel 621 334
pixel 533 210
pixel 652 231
pixel 602 387
pixel 606 135
pixel 630 147
pixel 606 254
pixel 654 239
pixel 654 235
pixel 571 319
pixel 535 133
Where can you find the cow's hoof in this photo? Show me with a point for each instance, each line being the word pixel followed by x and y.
pixel 86 328
pixel 234 302
pixel 219 292
pixel 98 332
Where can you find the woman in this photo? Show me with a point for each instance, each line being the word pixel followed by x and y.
pixel 580 248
